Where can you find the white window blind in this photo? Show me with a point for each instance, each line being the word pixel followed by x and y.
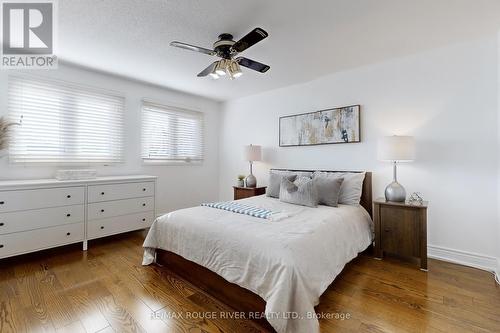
pixel 64 123
pixel 171 134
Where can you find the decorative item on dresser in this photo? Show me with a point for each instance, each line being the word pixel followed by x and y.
pixel 396 149
pixel 247 192
pixel 401 229
pixel 241 181
pixel 5 126
pixel 46 213
pixel 252 154
pixel 76 174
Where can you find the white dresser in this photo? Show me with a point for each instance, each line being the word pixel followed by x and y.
pixel 45 213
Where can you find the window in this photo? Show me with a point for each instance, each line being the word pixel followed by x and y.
pixel 171 134
pixel 63 123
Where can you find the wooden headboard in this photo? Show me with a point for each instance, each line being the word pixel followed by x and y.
pixel 366 195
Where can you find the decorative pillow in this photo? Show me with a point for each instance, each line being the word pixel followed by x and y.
pixel 351 188
pixel 301 192
pixel 273 188
pixel 328 188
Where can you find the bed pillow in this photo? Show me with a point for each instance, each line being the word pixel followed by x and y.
pixel 300 192
pixel 273 187
pixel 328 188
pixel 351 188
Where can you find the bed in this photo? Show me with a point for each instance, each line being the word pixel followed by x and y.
pixel 274 271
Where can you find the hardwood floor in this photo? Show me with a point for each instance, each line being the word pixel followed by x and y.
pixel 107 290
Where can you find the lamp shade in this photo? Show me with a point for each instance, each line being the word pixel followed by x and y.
pixel 253 153
pixel 396 148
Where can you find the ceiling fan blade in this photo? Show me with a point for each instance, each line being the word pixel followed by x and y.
pixel 252 38
pixel 208 70
pixel 256 66
pixel 192 48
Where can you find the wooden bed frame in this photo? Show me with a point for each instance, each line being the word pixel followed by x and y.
pixel 238 298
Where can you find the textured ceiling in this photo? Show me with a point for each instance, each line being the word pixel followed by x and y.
pixel 307 39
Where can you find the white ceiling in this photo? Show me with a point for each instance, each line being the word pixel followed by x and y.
pixel 307 39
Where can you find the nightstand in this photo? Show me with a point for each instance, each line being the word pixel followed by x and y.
pixel 401 229
pixel 247 192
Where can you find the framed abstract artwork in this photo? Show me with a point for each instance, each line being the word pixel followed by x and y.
pixel 338 125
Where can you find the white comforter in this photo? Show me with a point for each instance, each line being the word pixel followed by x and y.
pixel 289 262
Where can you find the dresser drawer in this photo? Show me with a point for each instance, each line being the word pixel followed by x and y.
pixel 118 224
pixel 98 193
pixel 101 210
pixel 40 218
pixel 42 198
pixel 28 241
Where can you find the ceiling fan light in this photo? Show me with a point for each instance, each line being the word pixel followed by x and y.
pixel 214 76
pixel 234 70
pixel 220 68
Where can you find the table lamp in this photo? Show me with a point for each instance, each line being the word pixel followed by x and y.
pixel 252 154
pixel 396 149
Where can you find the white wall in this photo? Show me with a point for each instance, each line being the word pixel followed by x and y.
pixel 178 186
pixel 446 98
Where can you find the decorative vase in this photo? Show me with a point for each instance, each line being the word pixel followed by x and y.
pixel 251 181
pixel 240 183
pixel 395 191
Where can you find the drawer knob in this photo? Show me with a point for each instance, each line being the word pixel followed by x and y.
pixel 387 230
pixel 102 193
pixel 68 215
pixel 1 246
pixel 68 196
pixel 2 202
pixel 102 227
pixel 143 220
pixel 68 233
pixel 143 205
pixel 2 224
pixel 143 190
pixel 102 210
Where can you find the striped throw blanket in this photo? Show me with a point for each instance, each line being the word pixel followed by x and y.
pixel 239 208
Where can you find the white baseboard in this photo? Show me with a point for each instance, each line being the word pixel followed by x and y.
pixel 481 261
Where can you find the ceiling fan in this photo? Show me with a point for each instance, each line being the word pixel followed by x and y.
pixel 227 49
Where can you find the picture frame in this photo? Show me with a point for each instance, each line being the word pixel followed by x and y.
pixel 328 126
